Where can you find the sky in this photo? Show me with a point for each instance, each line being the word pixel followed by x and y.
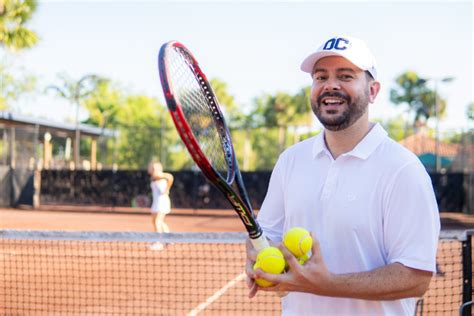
pixel 255 47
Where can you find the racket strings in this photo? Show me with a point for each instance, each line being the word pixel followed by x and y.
pixel 198 105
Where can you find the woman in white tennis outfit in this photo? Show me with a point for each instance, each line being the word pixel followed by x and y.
pixel 161 183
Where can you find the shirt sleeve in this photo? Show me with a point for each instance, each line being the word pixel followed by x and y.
pixel 271 216
pixel 411 219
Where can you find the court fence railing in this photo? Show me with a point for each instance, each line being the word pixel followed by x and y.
pixel 126 273
pixel 131 188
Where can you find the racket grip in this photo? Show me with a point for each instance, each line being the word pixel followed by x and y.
pixel 260 243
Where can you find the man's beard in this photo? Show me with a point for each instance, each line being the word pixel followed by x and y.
pixel 354 110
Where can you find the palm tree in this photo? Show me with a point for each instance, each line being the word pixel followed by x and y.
pixel 412 90
pixel 282 110
pixel 14 14
pixel 75 92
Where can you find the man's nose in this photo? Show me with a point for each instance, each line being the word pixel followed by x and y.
pixel 332 84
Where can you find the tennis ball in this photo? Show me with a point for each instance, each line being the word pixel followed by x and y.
pixel 302 260
pixel 270 260
pixel 298 241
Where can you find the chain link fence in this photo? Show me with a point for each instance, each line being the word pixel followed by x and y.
pixel 26 149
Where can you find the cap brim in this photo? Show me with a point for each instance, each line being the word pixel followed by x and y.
pixel 311 60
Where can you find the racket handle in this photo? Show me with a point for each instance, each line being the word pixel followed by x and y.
pixel 260 243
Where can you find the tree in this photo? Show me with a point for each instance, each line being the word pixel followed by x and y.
pixel 143 125
pixel 75 92
pixel 239 123
pixel 470 111
pixel 396 128
pixel 412 90
pixel 283 110
pixel 15 36
pixel 13 87
pixel 231 110
pixel 14 15
pixel 103 105
pixel 146 133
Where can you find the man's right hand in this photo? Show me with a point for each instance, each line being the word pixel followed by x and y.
pixel 251 258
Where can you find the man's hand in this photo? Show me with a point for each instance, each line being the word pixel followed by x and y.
pixel 390 282
pixel 312 277
pixel 251 257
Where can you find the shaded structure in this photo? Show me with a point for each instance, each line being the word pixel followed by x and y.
pixel 29 145
pixel 28 142
pixel 424 146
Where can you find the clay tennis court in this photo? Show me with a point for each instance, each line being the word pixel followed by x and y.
pixel 127 278
pixel 124 278
pixel 97 218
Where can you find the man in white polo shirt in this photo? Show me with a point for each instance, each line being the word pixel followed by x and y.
pixel 368 201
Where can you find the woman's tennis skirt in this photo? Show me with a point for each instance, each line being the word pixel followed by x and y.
pixel 161 205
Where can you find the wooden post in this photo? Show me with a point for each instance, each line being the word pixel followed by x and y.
pixel 77 146
pixel 47 151
pixel 12 147
pixel 94 154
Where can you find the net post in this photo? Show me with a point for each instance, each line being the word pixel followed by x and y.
pixel 467 275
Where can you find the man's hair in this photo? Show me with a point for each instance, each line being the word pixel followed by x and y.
pixel 368 75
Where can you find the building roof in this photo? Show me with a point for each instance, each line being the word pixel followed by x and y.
pixel 420 143
pixel 20 119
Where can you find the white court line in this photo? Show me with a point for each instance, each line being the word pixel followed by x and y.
pixel 216 295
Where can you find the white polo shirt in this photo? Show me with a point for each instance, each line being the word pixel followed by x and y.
pixel 370 207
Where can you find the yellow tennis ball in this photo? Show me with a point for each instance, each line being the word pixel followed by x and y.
pixel 302 260
pixel 298 241
pixel 270 260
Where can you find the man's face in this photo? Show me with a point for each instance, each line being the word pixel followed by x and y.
pixel 340 93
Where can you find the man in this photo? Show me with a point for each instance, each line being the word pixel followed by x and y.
pixel 368 201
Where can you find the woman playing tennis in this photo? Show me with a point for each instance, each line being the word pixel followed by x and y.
pixel 161 183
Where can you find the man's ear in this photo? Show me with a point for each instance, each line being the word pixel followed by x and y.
pixel 374 88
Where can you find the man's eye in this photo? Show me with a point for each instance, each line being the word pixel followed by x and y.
pixel 319 78
pixel 346 77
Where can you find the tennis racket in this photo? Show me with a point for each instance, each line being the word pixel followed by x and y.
pixel 202 127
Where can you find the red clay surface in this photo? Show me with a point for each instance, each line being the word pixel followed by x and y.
pixel 102 219
pixel 101 278
pixel 90 218
pixel 52 278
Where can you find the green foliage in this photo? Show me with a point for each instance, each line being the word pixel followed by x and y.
pixel 232 111
pixel 303 114
pixel 453 138
pixel 261 135
pixel 103 105
pixel 12 87
pixel 15 36
pixel 470 111
pixel 144 127
pixel 264 142
pixel 412 90
pixel 138 123
pixel 282 110
pixel 309 135
pixel 14 15
pixel 397 128
pixel 75 91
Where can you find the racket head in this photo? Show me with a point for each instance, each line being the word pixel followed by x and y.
pixel 201 125
pixel 196 113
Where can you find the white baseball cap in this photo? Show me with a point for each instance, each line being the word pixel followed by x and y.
pixel 351 48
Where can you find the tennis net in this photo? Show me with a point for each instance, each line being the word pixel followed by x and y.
pixel 91 273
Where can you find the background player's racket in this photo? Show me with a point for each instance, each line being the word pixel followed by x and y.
pixel 201 125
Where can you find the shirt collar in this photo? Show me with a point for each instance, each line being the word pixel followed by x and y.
pixel 319 146
pixel 363 149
